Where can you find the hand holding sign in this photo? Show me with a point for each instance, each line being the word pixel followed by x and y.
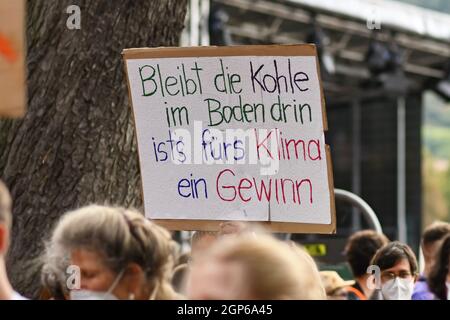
pixel 232 227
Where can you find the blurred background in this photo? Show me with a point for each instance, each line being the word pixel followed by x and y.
pixel 385 69
pixel 386 77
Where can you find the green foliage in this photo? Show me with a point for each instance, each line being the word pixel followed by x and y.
pixel 437 140
pixel 447 191
pixel 436 191
pixel 436 111
pixel 436 146
pixel 436 130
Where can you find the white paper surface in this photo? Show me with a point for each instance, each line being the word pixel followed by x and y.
pixel 302 178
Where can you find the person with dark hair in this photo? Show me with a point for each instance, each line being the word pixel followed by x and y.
pixel 359 250
pixel 431 241
pixel 398 272
pixel 439 278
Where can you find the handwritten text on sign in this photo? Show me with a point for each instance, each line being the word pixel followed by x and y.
pixel 231 138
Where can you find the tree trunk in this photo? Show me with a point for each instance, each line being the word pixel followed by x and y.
pixel 76 144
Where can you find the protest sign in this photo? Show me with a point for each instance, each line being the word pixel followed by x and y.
pixel 232 133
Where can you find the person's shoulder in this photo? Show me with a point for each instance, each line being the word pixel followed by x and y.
pixel 423 295
pixel 422 292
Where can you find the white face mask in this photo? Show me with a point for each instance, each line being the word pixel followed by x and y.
pixel 84 294
pixel 91 295
pixel 398 289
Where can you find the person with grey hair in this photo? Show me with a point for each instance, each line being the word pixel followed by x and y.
pixel 55 274
pixel 6 290
pixel 119 254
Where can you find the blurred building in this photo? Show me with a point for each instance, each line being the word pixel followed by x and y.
pixel 377 59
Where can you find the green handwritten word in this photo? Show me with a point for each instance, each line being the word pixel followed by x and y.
pixel 154 81
pixel 274 80
pixel 226 82
pixel 247 112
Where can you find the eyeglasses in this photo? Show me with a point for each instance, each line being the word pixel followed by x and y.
pixel 388 275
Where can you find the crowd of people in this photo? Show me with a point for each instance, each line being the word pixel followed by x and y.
pixel 102 252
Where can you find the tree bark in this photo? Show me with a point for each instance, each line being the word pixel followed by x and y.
pixel 76 144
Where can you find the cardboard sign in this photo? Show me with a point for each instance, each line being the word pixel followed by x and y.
pixel 12 58
pixel 232 133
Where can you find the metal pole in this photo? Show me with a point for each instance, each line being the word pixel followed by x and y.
pixel 356 160
pixel 401 170
pixel 363 207
pixel 366 210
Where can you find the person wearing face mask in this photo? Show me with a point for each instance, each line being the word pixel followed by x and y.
pixel 398 272
pixel 120 255
pixel 439 279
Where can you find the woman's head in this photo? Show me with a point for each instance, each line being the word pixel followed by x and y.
pixel 398 267
pixel 439 279
pixel 117 251
pixel 254 267
pixel 55 264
